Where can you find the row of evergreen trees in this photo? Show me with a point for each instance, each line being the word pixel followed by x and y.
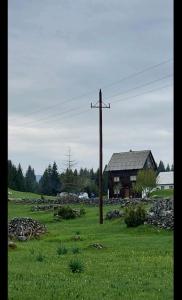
pixel 161 167
pixel 51 182
pixel 19 182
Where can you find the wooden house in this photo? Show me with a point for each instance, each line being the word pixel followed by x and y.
pixel 122 171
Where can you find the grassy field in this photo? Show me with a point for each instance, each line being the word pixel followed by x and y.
pixel 163 193
pixel 136 263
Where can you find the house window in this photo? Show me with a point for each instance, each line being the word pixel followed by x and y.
pixel 116 179
pixel 132 178
pixel 162 187
pixel 171 186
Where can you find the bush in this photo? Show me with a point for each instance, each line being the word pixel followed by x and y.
pixel 75 250
pixel 76 266
pixel 135 216
pixel 40 257
pixel 61 250
pixel 66 212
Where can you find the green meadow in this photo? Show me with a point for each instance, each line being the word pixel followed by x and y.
pixel 135 263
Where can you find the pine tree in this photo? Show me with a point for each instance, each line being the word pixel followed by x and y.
pixel 167 168
pixel 20 180
pixel 12 176
pixel 161 167
pixel 172 167
pixel 44 183
pixel 30 180
pixel 55 181
pixel 50 183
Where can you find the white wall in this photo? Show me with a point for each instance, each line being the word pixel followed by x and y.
pixel 166 186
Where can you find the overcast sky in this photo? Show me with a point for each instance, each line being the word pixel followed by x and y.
pixel 61 52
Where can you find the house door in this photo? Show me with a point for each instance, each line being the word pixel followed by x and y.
pixel 126 192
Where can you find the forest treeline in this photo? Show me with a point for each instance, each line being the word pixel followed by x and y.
pixel 52 182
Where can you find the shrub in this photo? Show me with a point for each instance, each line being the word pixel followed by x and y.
pixel 66 212
pixel 135 216
pixel 76 266
pixel 61 250
pixel 40 257
pixel 75 250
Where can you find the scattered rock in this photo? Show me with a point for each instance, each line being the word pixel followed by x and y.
pixel 114 214
pixel 77 238
pixel 12 245
pixel 23 229
pixel 97 246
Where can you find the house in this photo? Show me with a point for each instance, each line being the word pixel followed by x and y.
pixel 165 180
pixel 122 171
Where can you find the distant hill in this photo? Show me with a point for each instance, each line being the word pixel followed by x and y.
pixel 38 177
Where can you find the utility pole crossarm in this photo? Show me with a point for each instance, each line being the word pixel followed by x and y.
pixel 100 154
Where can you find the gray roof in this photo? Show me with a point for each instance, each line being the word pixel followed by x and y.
pixel 165 178
pixel 128 160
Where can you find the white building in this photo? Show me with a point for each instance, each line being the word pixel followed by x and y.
pixel 165 180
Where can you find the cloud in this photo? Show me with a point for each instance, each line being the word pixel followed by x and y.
pixel 62 52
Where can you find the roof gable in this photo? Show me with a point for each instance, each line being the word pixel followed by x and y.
pixel 132 160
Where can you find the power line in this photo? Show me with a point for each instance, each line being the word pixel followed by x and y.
pixel 143 85
pixel 142 93
pixel 120 100
pixel 109 85
pixel 75 109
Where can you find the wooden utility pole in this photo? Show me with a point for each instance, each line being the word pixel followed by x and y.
pixel 100 155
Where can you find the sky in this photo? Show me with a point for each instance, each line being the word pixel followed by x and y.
pixel 61 53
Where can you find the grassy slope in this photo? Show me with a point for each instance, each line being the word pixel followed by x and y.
pixel 26 195
pixel 136 265
pixel 163 193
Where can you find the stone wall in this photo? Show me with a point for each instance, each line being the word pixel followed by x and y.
pixel 90 201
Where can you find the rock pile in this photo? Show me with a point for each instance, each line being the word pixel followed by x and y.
pixel 25 228
pixel 33 201
pixel 161 214
pixel 44 207
pixel 114 214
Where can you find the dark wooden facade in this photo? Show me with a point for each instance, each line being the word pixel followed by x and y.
pixel 123 187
